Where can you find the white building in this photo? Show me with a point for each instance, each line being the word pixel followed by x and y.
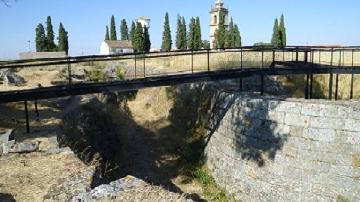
pixel 215 19
pixel 144 21
pixel 116 47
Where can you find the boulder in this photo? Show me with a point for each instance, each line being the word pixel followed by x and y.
pixel 25 147
pixel 11 78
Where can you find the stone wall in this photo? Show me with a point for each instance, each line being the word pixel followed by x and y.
pixel 37 55
pixel 266 149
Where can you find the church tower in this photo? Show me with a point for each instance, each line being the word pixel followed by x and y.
pixel 214 19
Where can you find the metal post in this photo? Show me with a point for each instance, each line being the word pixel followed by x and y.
pixel 330 86
pixel 144 65
pixel 262 75
pixel 208 59
pixel 337 78
pixel 311 85
pixel 135 65
pixel 297 54
pixel 69 73
pixel 241 57
pixel 192 61
pixel 352 76
pixel 273 58
pixel 36 110
pixel 27 117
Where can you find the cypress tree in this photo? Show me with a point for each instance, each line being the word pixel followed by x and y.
pixel 275 41
pixel 184 33
pixel 50 35
pixel 147 42
pixel 282 31
pixel 205 44
pixel 138 39
pixel 112 29
pixel 132 31
pixel 107 37
pixel 124 30
pixel 63 39
pixel 220 33
pixel 40 39
pixel 179 34
pixel 197 34
pixel 191 35
pixel 230 35
pixel 237 43
pixel 166 39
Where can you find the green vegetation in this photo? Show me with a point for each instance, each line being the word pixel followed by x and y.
pixel 205 44
pixel 107 36
pixel 63 39
pixel 181 41
pixel 275 40
pixel 342 199
pixel 138 38
pixel 278 39
pixel 50 35
pixel 113 35
pixel 120 74
pixel 220 34
pixel 45 41
pixel 211 190
pixel 233 37
pixel 282 31
pixel 147 42
pixel 40 39
pixel 132 32
pixel 166 39
pixel 96 73
pixel 124 30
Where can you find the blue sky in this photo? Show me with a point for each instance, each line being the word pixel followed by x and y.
pixel 311 22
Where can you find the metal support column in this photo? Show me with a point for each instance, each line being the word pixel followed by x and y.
pixel 27 117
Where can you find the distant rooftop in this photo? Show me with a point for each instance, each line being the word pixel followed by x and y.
pixel 143 18
pixel 119 43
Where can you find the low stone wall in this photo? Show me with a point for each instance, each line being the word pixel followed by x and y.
pixel 37 55
pixel 266 149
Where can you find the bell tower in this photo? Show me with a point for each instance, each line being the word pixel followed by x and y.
pixel 215 12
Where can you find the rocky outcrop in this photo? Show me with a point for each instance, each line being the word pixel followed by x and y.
pixel 11 78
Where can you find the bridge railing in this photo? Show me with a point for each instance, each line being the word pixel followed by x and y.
pixel 96 68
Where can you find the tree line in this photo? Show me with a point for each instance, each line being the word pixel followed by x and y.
pixel 138 34
pixel 189 38
pixel 45 41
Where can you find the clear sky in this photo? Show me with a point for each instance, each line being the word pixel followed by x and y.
pixel 308 22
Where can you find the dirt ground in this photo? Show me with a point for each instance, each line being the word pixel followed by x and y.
pixel 27 177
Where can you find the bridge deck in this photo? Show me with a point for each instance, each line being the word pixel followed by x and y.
pixel 278 68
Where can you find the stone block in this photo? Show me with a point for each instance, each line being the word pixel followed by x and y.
pixel 296 120
pixel 325 135
pixel 326 123
pixel 356 161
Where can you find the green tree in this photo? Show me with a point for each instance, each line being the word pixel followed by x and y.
pixel 275 40
pixel 220 34
pixel 184 33
pixel 197 34
pixel 107 37
pixel 166 39
pixel 50 35
pixel 179 34
pixel 40 39
pixel 124 30
pixel 132 31
pixel 113 35
pixel 205 44
pixel 147 42
pixel 230 35
pixel 138 38
pixel 282 31
pixel 191 34
pixel 237 34
pixel 63 39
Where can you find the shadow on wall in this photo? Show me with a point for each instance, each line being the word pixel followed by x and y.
pixel 200 109
pixel 258 134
